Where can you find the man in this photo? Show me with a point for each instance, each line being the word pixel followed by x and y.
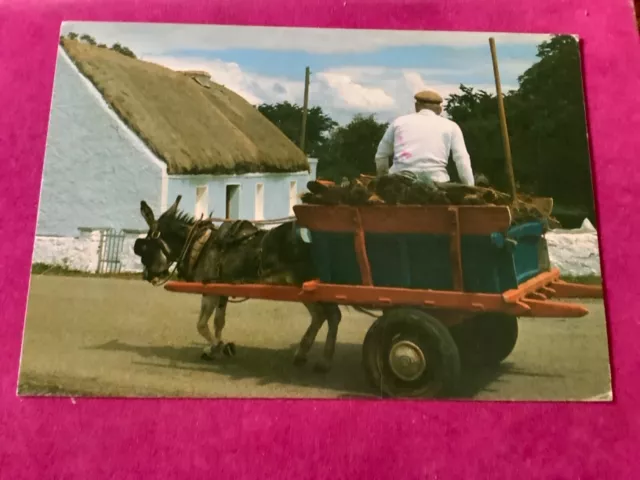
pixel 421 143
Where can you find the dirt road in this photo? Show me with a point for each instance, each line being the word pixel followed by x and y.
pixel 103 337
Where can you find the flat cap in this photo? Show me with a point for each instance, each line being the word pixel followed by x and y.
pixel 428 96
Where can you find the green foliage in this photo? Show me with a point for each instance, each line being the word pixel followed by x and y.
pixel 288 118
pixel 116 47
pixel 88 38
pixel 352 149
pixel 547 129
pixel 123 50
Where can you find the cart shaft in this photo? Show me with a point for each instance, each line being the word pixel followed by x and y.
pixel 530 300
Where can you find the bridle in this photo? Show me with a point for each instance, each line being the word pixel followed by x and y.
pixel 191 237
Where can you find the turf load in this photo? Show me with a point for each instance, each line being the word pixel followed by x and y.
pixel 414 189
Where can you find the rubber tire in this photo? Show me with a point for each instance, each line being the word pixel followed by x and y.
pixel 487 339
pixel 443 360
pixel 369 352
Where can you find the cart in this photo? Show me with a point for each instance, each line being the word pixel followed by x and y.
pixel 450 281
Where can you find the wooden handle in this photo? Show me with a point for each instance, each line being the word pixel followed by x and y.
pixel 503 122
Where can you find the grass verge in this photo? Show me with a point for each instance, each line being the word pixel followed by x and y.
pixel 38 269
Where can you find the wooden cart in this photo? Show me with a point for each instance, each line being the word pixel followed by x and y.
pixel 450 281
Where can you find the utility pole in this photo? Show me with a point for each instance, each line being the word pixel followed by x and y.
pixel 303 130
pixel 503 122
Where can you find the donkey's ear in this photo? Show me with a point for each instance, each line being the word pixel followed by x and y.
pixel 147 213
pixel 173 209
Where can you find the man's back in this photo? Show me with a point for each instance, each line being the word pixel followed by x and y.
pixel 422 142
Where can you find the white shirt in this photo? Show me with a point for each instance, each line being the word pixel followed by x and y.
pixel 421 142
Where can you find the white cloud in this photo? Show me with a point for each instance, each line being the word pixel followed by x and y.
pixel 356 95
pixel 156 37
pixel 254 88
pixel 340 92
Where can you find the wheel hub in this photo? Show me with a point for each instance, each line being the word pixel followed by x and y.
pixel 407 360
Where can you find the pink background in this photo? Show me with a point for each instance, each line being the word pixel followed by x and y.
pixel 93 438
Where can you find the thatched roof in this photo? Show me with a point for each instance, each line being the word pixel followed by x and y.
pixel 191 123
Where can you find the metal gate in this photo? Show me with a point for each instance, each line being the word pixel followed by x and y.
pixel 111 243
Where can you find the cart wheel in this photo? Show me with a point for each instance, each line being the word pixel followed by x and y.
pixel 409 353
pixel 486 339
pixel 369 353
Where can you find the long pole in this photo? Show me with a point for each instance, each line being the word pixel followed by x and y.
pixel 503 122
pixel 303 132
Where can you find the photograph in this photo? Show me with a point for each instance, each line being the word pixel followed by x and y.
pixel 275 212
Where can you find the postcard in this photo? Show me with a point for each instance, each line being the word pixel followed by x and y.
pixel 254 212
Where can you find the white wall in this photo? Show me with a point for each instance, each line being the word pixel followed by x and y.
pixel 276 192
pixel 81 252
pixel 574 252
pixel 96 171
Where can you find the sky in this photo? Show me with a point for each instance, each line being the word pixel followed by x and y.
pixel 352 71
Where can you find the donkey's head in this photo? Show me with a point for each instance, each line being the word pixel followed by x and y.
pixel 164 241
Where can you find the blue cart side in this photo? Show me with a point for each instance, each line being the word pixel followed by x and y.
pixel 491 263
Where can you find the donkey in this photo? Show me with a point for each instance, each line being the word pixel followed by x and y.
pixel 236 252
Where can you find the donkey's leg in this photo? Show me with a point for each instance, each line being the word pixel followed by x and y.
pixel 317 319
pixel 207 305
pixel 219 321
pixel 333 315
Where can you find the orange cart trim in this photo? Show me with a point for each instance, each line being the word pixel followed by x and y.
pixel 382 297
pixel 532 285
pixel 574 290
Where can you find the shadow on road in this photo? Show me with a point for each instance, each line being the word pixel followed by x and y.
pixel 267 366
pixel 274 366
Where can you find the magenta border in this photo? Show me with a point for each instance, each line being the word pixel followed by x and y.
pixel 96 438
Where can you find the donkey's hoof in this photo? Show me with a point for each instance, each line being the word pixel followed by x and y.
pixel 210 352
pixel 321 367
pixel 206 356
pixel 229 349
pixel 299 361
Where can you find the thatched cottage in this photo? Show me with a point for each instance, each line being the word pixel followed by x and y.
pixel 122 130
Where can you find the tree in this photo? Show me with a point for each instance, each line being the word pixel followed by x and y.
pixel 72 36
pixel 352 149
pixel 88 38
pixel 546 123
pixel 551 125
pixel 288 118
pixel 475 111
pixel 123 50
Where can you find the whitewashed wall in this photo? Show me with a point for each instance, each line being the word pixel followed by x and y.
pixel 574 252
pixel 82 252
pixel 96 170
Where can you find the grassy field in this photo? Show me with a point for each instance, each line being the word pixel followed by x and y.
pixel 59 270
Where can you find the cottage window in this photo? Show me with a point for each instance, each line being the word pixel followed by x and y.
pixel 259 207
pixel 202 201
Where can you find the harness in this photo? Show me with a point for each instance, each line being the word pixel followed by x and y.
pixel 193 239
pixel 200 234
pixel 230 234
